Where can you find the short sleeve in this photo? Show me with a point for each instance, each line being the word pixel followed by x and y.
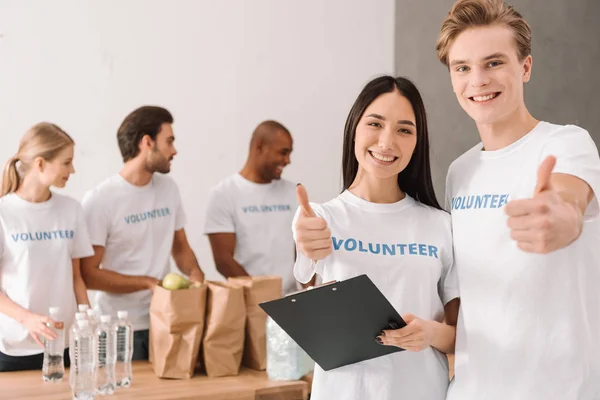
pixel 82 247
pixel 96 219
pixel 448 284
pixel 180 215
pixel 576 154
pixel 219 213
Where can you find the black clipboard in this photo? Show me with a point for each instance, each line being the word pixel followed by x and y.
pixel 337 323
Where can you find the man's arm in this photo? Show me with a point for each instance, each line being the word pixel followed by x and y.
pixel 185 258
pixel 78 284
pixel 223 246
pixel 553 218
pixel 110 281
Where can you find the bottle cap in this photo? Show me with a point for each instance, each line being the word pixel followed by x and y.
pixel 83 307
pixel 122 314
pixel 80 316
pixel 83 323
pixel 105 319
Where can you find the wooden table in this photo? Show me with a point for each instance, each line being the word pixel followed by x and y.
pixel 248 385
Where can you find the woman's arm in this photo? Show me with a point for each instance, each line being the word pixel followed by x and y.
pixel 419 334
pixel 34 323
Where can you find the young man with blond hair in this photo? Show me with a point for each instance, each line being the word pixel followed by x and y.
pixel 525 224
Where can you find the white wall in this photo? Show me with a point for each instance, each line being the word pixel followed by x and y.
pixel 219 66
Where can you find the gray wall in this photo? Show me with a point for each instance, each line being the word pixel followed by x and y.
pixel 565 84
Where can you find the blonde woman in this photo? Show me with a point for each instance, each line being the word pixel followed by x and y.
pixel 42 237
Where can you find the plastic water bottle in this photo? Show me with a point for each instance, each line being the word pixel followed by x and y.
pixel 84 381
pixel 106 355
pixel 53 368
pixel 124 335
pixel 285 359
pixel 80 316
pixel 92 316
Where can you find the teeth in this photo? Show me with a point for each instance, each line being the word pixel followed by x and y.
pixel 382 158
pixel 484 98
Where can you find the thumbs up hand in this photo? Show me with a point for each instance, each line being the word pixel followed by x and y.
pixel 546 222
pixel 313 237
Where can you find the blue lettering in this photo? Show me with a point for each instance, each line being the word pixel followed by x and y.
pixel 47 236
pixel 24 236
pixel 31 237
pixel 39 236
pixel 402 247
pixel 412 249
pixel 486 198
pixel 389 249
pixel 503 200
pixel 422 249
pixel 478 202
pixel 15 237
pixel 470 200
pixel 347 244
pixel 494 203
pixel 377 248
pixel 337 245
pixel 433 251
pixel 361 248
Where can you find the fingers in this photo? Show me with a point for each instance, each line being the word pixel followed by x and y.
pixel 302 196
pixel 524 207
pixel 315 245
pixel 414 343
pixel 37 340
pixel 544 174
pixel 305 233
pixel 311 224
pixel 526 222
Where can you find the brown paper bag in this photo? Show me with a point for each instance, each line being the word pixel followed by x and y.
pixel 176 327
pixel 223 342
pixel 257 289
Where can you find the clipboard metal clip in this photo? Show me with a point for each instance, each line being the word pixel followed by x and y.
pixel 311 288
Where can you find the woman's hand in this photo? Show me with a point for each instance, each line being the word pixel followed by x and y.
pixel 313 237
pixel 38 327
pixel 417 335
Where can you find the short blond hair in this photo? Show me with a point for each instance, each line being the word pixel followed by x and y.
pixel 467 14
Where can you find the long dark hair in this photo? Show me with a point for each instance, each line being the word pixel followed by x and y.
pixel 415 179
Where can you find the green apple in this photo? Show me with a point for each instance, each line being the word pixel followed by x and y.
pixel 173 281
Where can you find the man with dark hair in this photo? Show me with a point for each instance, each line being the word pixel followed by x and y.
pixel 136 222
pixel 250 213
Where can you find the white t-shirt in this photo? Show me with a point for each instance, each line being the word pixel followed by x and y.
pixel 406 250
pixel 37 244
pixel 136 226
pixel 260 215
pixel 529 325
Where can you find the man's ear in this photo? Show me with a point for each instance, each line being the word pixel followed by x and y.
pixel 527 64
pixel 146 143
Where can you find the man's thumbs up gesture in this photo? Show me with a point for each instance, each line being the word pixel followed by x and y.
pixel 549 221
pixel 313 237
